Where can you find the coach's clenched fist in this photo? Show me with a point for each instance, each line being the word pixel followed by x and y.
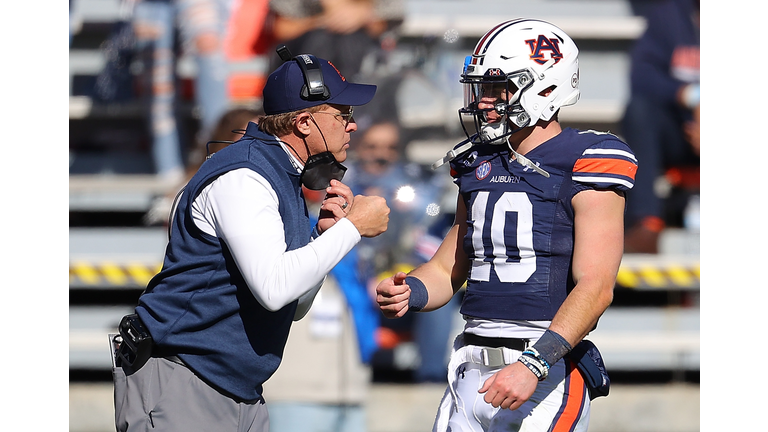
pixel 369 214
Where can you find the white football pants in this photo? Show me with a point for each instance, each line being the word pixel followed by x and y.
pixel 559 404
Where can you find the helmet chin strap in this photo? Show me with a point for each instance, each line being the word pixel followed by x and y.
pixel 460 148
pixel 524 161
pixel 495 132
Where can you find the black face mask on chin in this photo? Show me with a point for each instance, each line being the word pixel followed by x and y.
pixel 320 169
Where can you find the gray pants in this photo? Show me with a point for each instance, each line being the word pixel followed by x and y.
pixel 166 396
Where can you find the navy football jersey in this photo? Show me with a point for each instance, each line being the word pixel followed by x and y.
pixel 520 223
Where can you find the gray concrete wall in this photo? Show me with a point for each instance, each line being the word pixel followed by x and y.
pixel 411 408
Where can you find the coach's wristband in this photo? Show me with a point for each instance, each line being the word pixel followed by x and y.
pixel 419 294
pixel 552 347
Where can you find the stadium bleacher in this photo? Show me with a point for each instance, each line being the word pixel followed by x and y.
pixel 112 185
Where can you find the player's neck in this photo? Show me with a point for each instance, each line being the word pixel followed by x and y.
pixel 530 138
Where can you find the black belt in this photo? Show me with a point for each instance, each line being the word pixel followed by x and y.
pixel 175 359
pixel 491 342
pixel 162 353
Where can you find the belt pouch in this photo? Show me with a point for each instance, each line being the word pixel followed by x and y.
pixel 136 346
pixel 590 362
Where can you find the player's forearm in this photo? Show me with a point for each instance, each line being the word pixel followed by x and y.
pixel 597 252
pixel 445 273
pixel 582 308
pixel 575 318
pixel 438 284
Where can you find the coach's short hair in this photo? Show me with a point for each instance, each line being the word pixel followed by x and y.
pixel 282 124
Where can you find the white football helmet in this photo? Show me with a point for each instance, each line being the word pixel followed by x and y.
pixel 520 72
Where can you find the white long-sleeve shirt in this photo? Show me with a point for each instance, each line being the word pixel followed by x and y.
pixel 241 208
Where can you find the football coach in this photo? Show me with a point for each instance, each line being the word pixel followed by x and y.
pixel 242 262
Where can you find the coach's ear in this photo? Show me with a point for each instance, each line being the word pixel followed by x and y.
pixel 301 124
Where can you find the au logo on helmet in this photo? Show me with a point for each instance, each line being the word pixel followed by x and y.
pixel 542 44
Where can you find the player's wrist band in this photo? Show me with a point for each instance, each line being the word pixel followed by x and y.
pixel 552 347
pixel 535 363
pixel 419 293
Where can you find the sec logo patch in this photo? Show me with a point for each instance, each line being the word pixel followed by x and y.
pixel 483 170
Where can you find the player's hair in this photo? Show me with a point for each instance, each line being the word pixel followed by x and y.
pixel 282 124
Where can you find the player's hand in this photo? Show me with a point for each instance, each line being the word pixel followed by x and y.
pixel 392 295
pixel 336 205
pixel 369 214
pixel 510 387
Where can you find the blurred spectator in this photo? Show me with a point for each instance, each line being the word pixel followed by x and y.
pixel 322 383
pixel 73 24
pixel 357 36
pixel 377 168
pixel 661 121
pixel 415 196
pixel 249 39
pixel 228 129
pixel 114 82
pixel 201 25
pixel 342 31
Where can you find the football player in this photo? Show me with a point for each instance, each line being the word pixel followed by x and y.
pixel 538 239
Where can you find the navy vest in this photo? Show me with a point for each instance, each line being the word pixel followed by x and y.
pixel 199 306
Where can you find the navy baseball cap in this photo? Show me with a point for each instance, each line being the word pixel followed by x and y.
pixel 299 84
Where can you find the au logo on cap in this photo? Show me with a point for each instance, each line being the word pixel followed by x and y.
pixel 337 70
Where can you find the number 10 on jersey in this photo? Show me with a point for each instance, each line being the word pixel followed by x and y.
pixel 507 250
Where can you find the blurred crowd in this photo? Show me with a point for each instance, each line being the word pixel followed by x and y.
pixel 661 123
pixel 233 45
